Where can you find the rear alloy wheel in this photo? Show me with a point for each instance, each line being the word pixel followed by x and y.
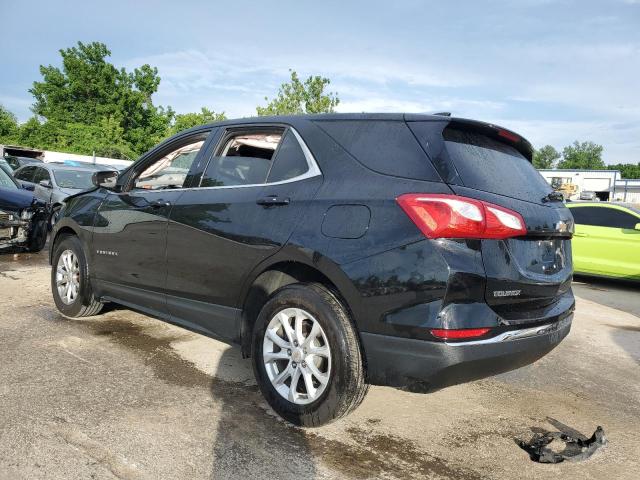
pixel 306 356
pixel 297 356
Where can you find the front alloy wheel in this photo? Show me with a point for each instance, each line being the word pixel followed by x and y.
pixel 68 277
pixel 297 356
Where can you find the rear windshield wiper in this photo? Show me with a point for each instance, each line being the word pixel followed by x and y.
pixel 553 197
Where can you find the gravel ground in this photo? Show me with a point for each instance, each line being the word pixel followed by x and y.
pixel 126 396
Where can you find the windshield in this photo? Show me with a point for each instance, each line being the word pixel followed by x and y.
pixel 76 179
pixel 6 181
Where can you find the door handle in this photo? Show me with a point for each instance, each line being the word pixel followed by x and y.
pixel 579 234
pixel 159 204
pixel 270 200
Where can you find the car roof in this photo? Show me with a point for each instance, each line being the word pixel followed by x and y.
pixel 524 146
pixel 62 166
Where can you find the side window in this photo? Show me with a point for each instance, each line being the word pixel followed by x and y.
pixel 290 161
pixel 170 171
pixel 40 174
pixel 244 159
pixel 603 217
pixel 26 174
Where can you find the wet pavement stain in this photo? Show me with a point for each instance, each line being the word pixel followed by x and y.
pixel 375 454
pixel 155 352
pixel 628 328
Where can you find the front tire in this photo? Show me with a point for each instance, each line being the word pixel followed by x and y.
pixel 70 284
pixel 306 356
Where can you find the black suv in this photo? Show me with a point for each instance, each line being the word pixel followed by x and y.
pixel 338 251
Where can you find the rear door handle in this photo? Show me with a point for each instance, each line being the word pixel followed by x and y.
pixel 270 200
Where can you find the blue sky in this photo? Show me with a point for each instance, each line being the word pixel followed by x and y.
pixel 554 71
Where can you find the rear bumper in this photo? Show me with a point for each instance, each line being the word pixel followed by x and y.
pixel 425 366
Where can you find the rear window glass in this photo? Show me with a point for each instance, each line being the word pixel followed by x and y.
pixel 604 217
pixel 486 164
pixel 387 147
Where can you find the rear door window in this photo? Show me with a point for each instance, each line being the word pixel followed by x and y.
pixel 26 174
pixel 484 163
pixel 290 161
pixel 604 217
pixel 244 158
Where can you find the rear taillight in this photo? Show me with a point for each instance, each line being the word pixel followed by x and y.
pixel 459 334
pixel 452 216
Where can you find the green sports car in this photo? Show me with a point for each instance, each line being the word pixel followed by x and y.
pixel 606 240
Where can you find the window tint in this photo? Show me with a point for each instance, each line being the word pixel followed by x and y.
pixel 75 179
pixel 290 161
pixel 486 164
pixel 245 159
pixel 387 147
pixel 25 174
pixel 6 181
pixel 40 174
pixel 170 170
pixel 603 217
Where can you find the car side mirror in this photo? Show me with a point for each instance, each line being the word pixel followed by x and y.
pixel 105 179
pixel 45 183
pixel 26 186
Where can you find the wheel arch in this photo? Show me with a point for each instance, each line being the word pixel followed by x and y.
pixel 62 232
pixel 275 276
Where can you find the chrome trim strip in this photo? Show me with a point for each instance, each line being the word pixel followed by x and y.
pixel 518 334
pixel 313 171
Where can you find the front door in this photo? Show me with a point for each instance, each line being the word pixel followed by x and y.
pixel 130 230
pixel 242 211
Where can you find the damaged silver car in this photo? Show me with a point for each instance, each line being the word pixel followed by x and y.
pixel 23 219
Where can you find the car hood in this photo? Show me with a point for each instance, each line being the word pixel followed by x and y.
pixel 11 199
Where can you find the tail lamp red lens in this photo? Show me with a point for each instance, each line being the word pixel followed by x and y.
pixel 460 334
pixel 453 216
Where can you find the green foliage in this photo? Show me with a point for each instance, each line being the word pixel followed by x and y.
pixel 89 93
pixel 546 157
pixel 8 125
pixel 296 97
pixel 628 170
pixel 188 120
pixel 585 155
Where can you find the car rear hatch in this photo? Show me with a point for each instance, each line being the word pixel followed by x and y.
pixel 526 275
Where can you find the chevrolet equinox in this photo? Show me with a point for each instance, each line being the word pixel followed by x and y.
pixel 338 251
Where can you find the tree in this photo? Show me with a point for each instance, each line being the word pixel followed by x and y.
pixel 585 155
pixel 296 97
pixel 8 125
pixel 89 91
pixel 546 157
pixel 188 120
pixel 627 170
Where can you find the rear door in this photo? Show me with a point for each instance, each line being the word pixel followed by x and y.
pixel 244 208
pixel 488 163
pixel 606 241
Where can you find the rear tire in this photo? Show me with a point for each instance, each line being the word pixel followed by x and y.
pixel 70 284
pixel 325 359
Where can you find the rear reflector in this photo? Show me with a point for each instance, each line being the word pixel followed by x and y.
pixel 453 216
pixel 459 334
